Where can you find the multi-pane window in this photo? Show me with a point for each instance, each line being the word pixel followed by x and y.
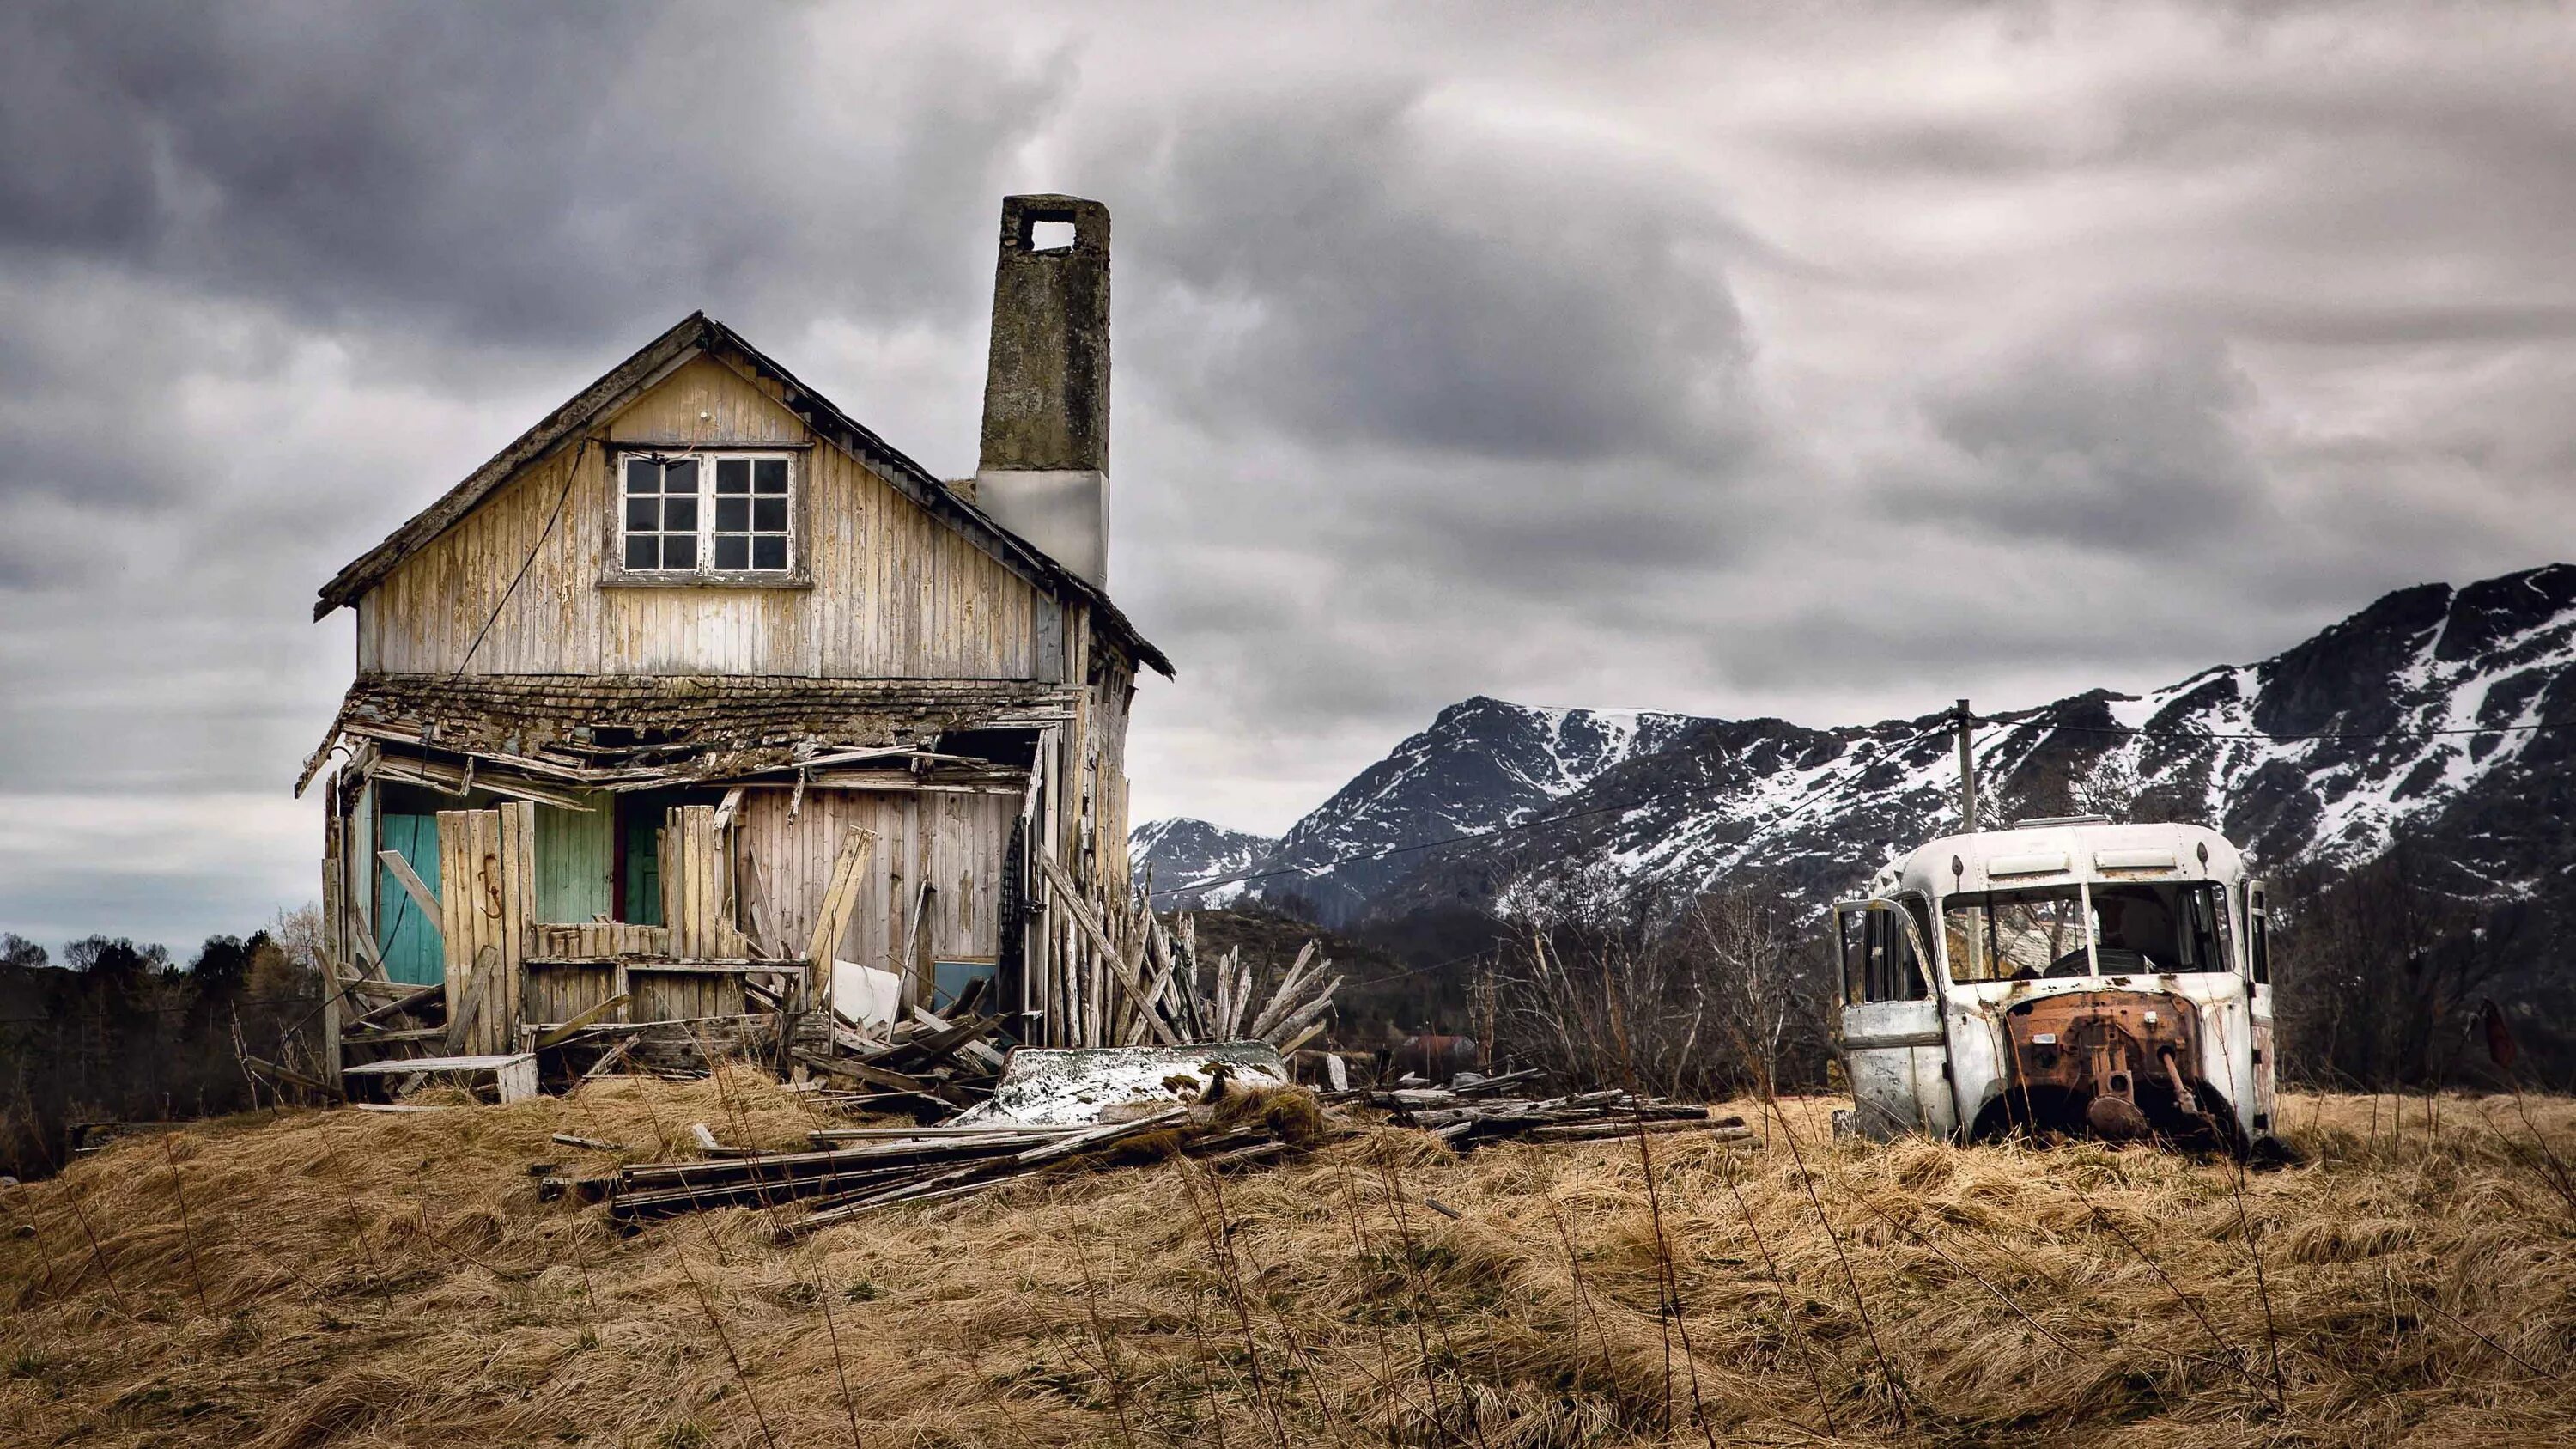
pixel 751 513
pixel 706 513
pixel 662 513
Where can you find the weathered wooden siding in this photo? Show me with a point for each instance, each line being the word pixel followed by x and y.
pixel 955 840
pixel 896 593
pixel 1115 692
pixel 576 861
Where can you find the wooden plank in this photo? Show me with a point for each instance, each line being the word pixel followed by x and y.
pixel 462 1023
pixel 1104 951
pixel 386 1036
pixel 455 946
pixel 335 830
pixel 412 999
pixel 410 881
pixel 559 1034
pixel 706 838
pixel 849 872
pixel 517 821
pixel 491 1030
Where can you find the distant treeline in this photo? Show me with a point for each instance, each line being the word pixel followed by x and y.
pixel 116 1031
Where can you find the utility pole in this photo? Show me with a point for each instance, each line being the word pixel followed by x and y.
pixel 1967 766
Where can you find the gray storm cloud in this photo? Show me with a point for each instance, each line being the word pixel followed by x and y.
pixel 1823 365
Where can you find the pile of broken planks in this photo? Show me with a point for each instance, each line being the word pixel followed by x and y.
pixel 856 1170
pixel 928 1063
pixel 1480 1112
pixel 1144 983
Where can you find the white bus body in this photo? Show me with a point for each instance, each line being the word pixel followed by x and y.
pixel 2072 976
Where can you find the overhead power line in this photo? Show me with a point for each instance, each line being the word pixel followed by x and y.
pixel 2179 734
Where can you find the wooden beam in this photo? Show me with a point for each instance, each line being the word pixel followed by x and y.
pixel 1080 911
pixel 441 775
pixel 409 879
pixel 413 997
pixel 840 898
pixel 569 1028
pixel 477 992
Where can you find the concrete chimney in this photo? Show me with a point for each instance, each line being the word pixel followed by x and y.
pixel 1043 472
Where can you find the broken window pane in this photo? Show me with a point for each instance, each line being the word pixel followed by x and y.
pixel 1994 935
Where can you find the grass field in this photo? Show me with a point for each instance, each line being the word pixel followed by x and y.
pixel 348 1278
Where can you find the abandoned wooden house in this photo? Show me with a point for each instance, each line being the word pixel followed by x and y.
pixel 700 696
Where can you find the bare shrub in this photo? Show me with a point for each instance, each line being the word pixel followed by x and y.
pixel 1720 995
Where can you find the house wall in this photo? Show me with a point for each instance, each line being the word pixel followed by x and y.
pixel 952 839
pixel 895 592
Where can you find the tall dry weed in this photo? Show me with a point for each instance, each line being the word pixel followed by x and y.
pixel 372 1279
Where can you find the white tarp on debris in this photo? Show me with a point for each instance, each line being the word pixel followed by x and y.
pixel 1069 1086
pixel 864 995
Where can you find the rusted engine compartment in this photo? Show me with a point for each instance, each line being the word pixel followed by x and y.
pixel 2119 1065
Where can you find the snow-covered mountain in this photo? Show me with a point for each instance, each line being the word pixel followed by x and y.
pixel 1179 854
pixel 2405 719
pixel 1482 764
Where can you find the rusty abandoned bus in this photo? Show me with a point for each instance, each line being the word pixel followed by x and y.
pixel 2066 976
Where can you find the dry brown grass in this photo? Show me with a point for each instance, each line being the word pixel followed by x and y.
pixel 363 1279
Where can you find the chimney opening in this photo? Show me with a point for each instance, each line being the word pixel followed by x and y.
pixel 1050 236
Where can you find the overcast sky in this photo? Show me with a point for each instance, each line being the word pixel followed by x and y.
pixel 1712 358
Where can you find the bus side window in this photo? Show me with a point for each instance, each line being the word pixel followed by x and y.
pixel 2258 935
pixel 1851 941
pixel 1919 971
pixel 1878 960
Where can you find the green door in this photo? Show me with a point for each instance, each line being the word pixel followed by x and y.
pixel 407 940
pixel 643 838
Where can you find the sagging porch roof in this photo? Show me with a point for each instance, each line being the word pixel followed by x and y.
pixel 628 731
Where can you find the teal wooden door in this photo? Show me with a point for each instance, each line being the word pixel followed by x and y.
pixel 408 941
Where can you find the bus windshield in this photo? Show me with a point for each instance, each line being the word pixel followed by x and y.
pixel 2112 928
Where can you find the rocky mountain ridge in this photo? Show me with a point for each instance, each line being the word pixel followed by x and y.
pixel 2414 718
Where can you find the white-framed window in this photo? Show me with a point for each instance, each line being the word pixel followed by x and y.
pixel 720 513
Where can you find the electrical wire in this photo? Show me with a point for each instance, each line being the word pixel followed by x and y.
pixel 572 475
pixel 2558 724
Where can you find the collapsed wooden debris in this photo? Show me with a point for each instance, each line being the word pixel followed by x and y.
pixel 852 1173
pixel 1462 1116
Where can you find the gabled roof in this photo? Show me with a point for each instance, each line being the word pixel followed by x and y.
pixel 628 380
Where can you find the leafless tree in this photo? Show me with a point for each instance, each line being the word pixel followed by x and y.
pixel 1597 983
